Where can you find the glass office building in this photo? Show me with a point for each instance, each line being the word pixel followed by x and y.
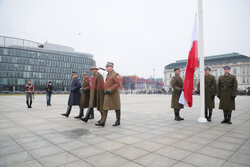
pixel 22 60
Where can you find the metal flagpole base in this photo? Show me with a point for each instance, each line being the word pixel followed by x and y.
pixel 202 120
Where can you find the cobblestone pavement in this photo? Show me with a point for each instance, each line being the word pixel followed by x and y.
pixel 148 135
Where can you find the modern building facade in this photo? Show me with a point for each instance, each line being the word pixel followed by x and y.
pixel 22 60
pixel 240 66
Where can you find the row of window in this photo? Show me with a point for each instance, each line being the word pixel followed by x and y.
pixel 31 68
pixel 21 81
pixel 39 62
pixel 76 57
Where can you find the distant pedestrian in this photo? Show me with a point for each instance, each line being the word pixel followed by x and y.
pixel 29 88
pixel 75 94
pixel 48 93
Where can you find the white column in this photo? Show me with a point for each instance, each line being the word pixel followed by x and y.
pixel 201 119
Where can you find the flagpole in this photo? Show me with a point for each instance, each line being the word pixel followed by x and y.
pixel 201 119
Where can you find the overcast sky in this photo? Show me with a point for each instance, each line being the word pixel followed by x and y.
pixel 137 35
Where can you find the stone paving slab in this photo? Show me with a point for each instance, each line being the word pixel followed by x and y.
pixel 148 135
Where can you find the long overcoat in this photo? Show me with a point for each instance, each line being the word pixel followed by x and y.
pixel 227 89
pixel 176 83
pixel 96 92
pixel 84 101
pixel 75 94
pixel 112 84
pixel 210 90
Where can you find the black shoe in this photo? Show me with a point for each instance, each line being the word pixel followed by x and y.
pixel 78 117
pixel 30 104
pixel 65 115
pixel 209 119
pixel 100 124
pixel 84 120
pixel 117 123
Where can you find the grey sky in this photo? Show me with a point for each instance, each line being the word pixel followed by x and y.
pixel 137 35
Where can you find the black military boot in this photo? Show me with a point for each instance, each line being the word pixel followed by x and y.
pixel 27 102
pixel 178 114
pixel 86 118
pixel 229 119
pixel 209 116
pixel 30 104
pixel 80 114
pixel 91 114
pixel 118 118
pixel 225 118
pixel 68 111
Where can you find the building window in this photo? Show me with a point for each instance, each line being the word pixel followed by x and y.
pixel 234 71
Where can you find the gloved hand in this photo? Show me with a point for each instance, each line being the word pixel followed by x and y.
pixel 233 97
pixel 107 92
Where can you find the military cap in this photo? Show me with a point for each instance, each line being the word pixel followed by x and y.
pixel 84 73
pixel 49 81
pixel 226 68
pixel 74 72
pixel 94 67
pixel 110 64
pixel 176 69
pixel 207 68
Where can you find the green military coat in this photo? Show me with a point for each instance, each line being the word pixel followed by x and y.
pixel 227 89
pixel 112 84
pixel 210 90
pixel 96 92
pixel 176 83
pixel 84 101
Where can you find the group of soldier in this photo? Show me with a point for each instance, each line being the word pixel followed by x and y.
pixel 225 90
pixel 95 93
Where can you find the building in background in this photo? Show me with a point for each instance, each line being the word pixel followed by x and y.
pixel 137 83
pixel 240 66
pixel 22 60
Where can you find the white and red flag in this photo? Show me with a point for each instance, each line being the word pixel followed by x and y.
pixel 186 97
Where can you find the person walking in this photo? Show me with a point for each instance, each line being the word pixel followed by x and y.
pixel 29 88
pixel 49 93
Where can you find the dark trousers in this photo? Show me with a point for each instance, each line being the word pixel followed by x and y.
pixel 48 97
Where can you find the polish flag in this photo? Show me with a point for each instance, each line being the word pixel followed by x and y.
pixel 186 97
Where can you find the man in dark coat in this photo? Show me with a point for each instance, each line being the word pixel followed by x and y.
pixel 84 101
pixel 176 83
pixel 227 89
pixel 48 93
pixel 75 94
pixel 112 95
pixel 210 92
pixel 96 94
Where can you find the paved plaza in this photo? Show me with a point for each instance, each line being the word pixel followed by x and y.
pixel 148 135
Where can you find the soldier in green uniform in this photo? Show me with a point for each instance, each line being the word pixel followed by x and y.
pixel 84 101
pixel 227 89
pixel 210 92
pixel 176 83
pixel 112 95
pixel 96 94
